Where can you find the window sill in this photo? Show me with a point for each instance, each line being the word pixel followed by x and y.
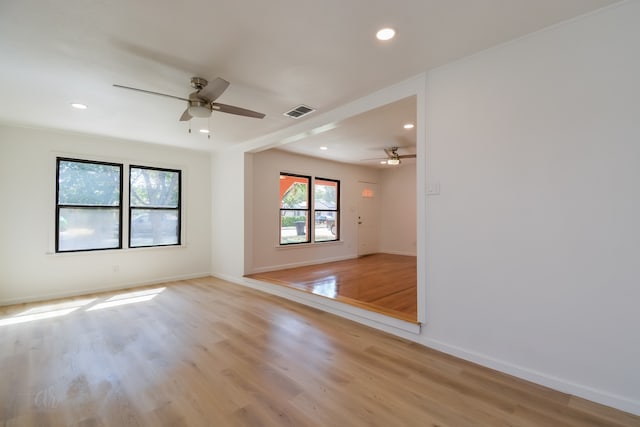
pixel 115 251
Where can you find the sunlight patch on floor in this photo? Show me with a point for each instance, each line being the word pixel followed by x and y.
pixel 59 309
pixel 38 316
pixel 128 298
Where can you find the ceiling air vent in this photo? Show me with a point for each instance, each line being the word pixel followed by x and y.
pixel 299 111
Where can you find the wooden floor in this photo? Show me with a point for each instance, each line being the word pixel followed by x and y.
pixel 204 352
pixel 383 283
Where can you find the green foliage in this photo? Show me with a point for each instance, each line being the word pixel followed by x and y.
pixel 296 196
pixel 88 184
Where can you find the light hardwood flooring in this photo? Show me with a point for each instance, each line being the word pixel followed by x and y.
pixel 384 283
pixel 204 352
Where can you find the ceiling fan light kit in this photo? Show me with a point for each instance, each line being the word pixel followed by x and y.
pixel 199 109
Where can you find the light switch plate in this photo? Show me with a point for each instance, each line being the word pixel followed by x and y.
pixel 433 188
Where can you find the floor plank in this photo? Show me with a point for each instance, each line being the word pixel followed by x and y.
pixel 205 352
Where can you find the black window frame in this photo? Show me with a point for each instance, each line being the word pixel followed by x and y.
pixel 92 207
pixel 178 208
pixel 336 211
pixel 308 210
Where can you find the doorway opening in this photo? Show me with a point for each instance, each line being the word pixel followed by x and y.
pixel 374 263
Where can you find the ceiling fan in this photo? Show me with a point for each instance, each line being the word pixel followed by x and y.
pixel 201 103
pixel 393 158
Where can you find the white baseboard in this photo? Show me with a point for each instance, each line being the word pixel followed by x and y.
pixel 318 261
pixel 298 264
pixel 113 287
pixel 398 253
pixel 619 402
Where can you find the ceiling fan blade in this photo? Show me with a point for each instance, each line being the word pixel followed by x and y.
pixel 150 92
pixel 236 110
pixel 407 156
pixel 214 89
pixel 185 116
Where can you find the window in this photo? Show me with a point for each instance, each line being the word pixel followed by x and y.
pixel 326 202
pixel 154 207
pixel 88 205
pixel 296 211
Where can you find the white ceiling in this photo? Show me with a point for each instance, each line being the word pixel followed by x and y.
pixel 276 54
pixel 361 139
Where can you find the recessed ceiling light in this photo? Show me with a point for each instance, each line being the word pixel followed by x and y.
pixel 79 106
pixel 409 126
pixel 204 130
pixel 386 34
pixel 324 148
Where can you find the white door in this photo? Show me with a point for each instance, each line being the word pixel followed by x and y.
pixel 368 218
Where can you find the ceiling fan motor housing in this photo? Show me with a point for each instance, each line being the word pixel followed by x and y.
pixel 198 83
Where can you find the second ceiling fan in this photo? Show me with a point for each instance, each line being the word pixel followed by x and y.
pixel 201 103
pixel 393 158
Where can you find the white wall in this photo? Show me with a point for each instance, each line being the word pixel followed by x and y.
pixel 28 269
pixel 266 253
pixel 533 248
pixel 398 209
pixel 227 213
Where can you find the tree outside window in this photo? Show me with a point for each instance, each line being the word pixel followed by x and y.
pixel 294 209
pixel 326 209
pixel 88 205
pixel 154 207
